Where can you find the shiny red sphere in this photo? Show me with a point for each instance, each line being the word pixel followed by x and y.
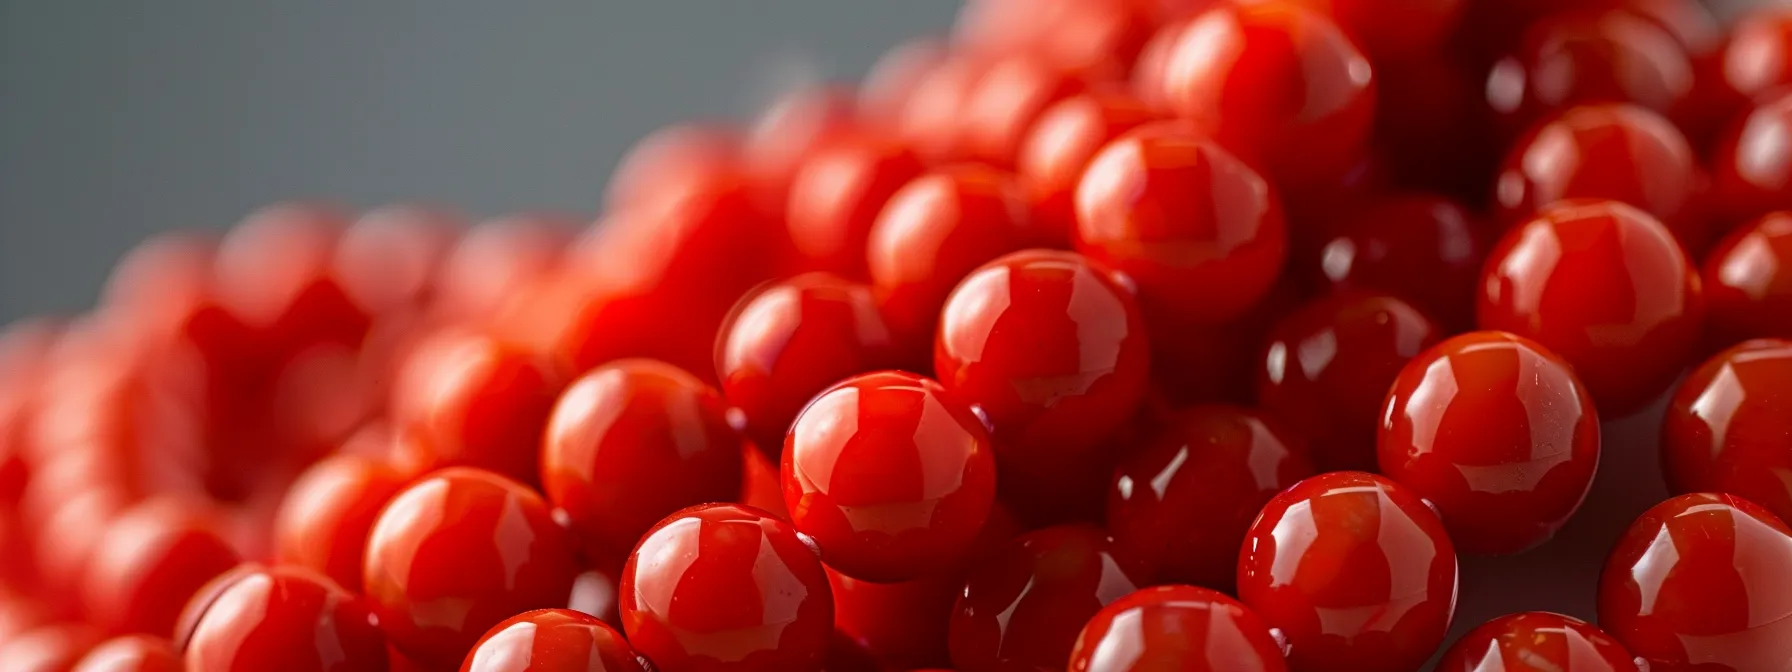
pixel 1605 286
pixel 281 618
pixel 323 522
pixel 836 195
pixel 54 647
pixel 388 260
pixel 1003 103
pixel 1425 250
pixel 476 401
pixel 889 476
pixel 1176 627
pixel 1726 429
pixel 1181 503
pixel 1199 231
pixel 455 553
pixel 1757 58
pixel 496 259
pixel 152 557
pixel 1748 283
pixel 131 653
pixel 1327 365
pixel 723 586
pixel 552 640
pixel 1497 433
pixel 1577 57
pixel 274 272
pixel 1059 148
pixel 1390 30
pixel 1050 349
pixel 1351 543
pixel 1699 583
pixel 1751 169
pixel 631 442
pixel 1023 605
pixel 1535 641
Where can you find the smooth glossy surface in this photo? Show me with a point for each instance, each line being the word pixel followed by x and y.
pixel 890 477
pixel 152 557
pixel 1605 286
pixel 552 640
pixel 1327 364
pixel 1181 503
pixel 476 401
pixel 1729 427
pixel 1199 231
pixel 47 648
pixel 1023 605
pixel 631 442
pixel 286 619
pixel 1176 628
pixel 1751 167
pixel 1699 583
pixel 1425 250
pixel 1421 24
pixel 455 553
pixel 1003 104
pixel 1059 148
pixel 1572 58
pixel 1050 349
pixel 1274 81
pixel 836 196
pixel 724 586
pixel 131 653
pixel 1497 433
pixel 387 261
pixel 1356 572
pixel 1537 641
pixel 1748 283
pixel 273 272
pixel 1757 58
pixel 496 259
pixel 323 522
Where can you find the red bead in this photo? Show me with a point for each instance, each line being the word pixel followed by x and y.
pixel 934 232
pixel 497 259
pixel 1197 229
pixel 1099 39
pixel 47 648
pixel 1394 29
pixel 631 442
pixel 837 194
pixel 131 653
pixel 1726 428
pixel 282 618
pixel 726 587
pixel 1355 571
pixel 1751 169
pixel 893 79
pixel 1605 286
pixel 928 121
pixel 274 272
pixel 1023 605
pixel 659 165
pixel 323 521
pixel 795 126
pixel 1004 102
pixel 1757 58
pixel 1574 58
pixel 1748 282
pixel 1424 250
pixel 1059 148
pixel 1180 505
pixel 1273 81
pixel 151 558
pixel 889 477
pixel 476 401
pixel 1699 582
pixel 388 260
pixel 1050 349
pixel 455 553
pixel 1218 363
pixel 1497 433
pixel 1176 628
pixel 1328 364
pixel 1537 640
pixel 551 640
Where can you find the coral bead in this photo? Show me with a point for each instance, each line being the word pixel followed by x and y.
pixel 836 196
pixel 889 477
pixel 1572 58
pixel 476 401
pixel 47 648
pixel 631 442
pixel 1420 26
pixel 1059 148
pixel 726 587
pixel 1699 583
pixel 1181 503
pixel 1757 59
pixel 1425 250
pixel 281 619
pixel 1497 433
pixel 322 524
pixel 1751 169
pixel 1605 286
pixel 1176 628
pixel 1351 543
pixel 1023 605
pixel 131 653
pixel 1726 429
pixel 550 640
pixel 153 557
pixel 1748 283
pixel 455 553
pixel 1199 231
pixel 1004 102
pixel 1536 641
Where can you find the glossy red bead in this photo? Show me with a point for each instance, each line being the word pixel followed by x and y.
pixel 388 260
pixel 631 442
pixel 1176 628
pixel 1497 433
pixel 1024 604
pixel 1748 283
pixel 1751 167
pixel 1181 503
pixel 890 477
pixel 455 553
pixel 1274 81
pixel 1605 286
pixel 476 401
pixel 275 273
pixel 727 587
pixel 1617 152
pixel 47 648
pixel 552 640
pixel 1699 583
pixel 323 521
pixel 1327 365
pixel 1425 250
pixel 657 165
pixel 131 653
pixel 1419 27
pixel 1356 544
pixel 265 619
pixel 1004 102
pixel 1578 57
pixel 1757 58
pixel 1058 149
pixel 1199 231
pixel 152 557
pixel 792 128
pixel 837 194
pixel 495 260
pixel 1536 641
pixel 1726 428
pixel 1050 349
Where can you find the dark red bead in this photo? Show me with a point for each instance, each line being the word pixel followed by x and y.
pixel 1751 171
pixel 1535 641
pixel 1023 605
pixel 132 653
pixel 1578 57
pixel 1726 428
pixel 1176 628
pixel 1393 29
pixel 1425 250
pixel 1748 283
pixel 1756 60
pixel 1059 148
pixel 552 640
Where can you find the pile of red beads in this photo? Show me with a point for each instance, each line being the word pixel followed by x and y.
pixel 1104 335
